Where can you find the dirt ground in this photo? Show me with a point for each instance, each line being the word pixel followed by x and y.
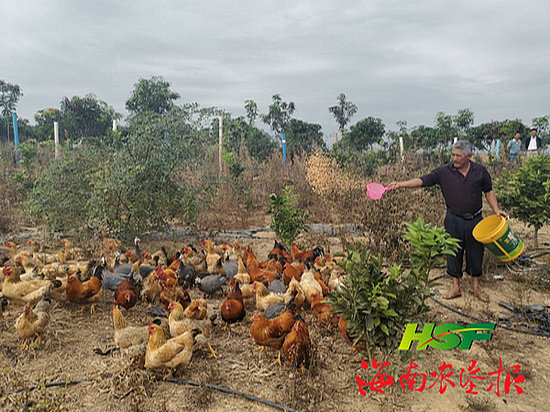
pixel 116 382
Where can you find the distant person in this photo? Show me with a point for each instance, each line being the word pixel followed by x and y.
pixel 514 147
pixel 462 183
pixel 534 143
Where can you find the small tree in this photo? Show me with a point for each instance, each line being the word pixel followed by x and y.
pixel 463 120
pixel 251 111
pixel 9 96
pixel 343 112
pixel 279 115
pixel 526 192
pixel 288 221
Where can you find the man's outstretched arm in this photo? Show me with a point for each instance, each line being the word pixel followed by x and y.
pixel 409 184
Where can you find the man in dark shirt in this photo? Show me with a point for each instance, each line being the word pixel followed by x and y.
pixel 462 183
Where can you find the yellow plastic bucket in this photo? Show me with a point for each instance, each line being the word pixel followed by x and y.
pixel 496 235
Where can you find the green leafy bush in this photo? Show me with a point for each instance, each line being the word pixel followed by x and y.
pixel 526 192
pixel 288 220
pixel 430 244
pixel 130 184
pixel 378 305
pixel 60 196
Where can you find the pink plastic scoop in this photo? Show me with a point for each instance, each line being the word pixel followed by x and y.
pixel 376 190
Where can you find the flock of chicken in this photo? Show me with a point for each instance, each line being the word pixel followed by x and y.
pixel 279 288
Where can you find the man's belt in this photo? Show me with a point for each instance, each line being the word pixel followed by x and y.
pixel 465 216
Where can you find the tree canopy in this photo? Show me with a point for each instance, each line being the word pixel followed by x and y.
pixel 78 117
pixel 151 95
pixel 303 137
pixel 278 115
pixel 364 134
pixel 343 112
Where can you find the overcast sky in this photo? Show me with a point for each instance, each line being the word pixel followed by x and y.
pixel 397 60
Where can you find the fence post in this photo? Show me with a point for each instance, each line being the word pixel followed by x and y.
pixel 15 137
pixel 220 143
pixel 401 148
pixel 284 150
pixel 56 138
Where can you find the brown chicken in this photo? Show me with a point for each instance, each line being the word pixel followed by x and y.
pixel 272 332
pixel 232 308
pixel 343 328
pixel 33 322
pixel 126 336
pixel 84 292
pixel 258 274
pixel 300 255
pixel 293 271
pixel 272 265
pixel 322 311
pixel 247 255
pixel 126 293
pixel 29 291
pixel 162 353
pixel 151 286
pixel 110 243
pixel 297 345
pixel 174 293
pixel 171 291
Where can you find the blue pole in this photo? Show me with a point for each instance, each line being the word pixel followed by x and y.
pixel 284 149
pixel 15 137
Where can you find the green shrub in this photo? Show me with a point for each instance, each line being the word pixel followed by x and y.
pixel 130 184
pixel 288 220
pixel 430 245
pixel 526 192
pixel 378 305
pixel 61 195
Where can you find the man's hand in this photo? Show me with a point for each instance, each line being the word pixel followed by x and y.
pixel 392 186
pixel 502 213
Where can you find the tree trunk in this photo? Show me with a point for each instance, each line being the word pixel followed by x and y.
pixel 536 239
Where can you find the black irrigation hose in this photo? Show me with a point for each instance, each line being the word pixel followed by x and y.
pixel 52 384
pixel 173 380
pixel 227 390
pixel 500 325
